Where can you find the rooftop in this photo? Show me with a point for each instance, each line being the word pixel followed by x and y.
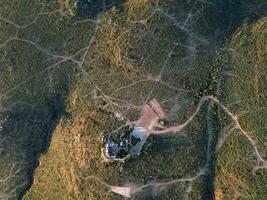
pixel 125 145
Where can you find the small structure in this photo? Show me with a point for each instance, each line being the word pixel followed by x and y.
pixel 128 141
pixel 122 144
pixel 113 149
pixel 123 191
pixel 142 134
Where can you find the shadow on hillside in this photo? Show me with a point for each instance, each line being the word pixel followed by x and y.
pixel 26 134
pixel 27 129
pixel 93 7
pixel 225 17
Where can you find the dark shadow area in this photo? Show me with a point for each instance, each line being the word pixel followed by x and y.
pixel 224 18
pixel 26 134
pixel 92 8
pixel 169 143
pixel 214 126
pixel 29 116
pixel 32 112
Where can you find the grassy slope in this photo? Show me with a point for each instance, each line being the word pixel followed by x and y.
pixel 236 175
pixel 113 62
pixel 33 87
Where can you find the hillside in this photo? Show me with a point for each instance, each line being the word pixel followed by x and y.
pixel 69 68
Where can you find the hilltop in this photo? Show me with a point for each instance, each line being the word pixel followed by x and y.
pixel 71 70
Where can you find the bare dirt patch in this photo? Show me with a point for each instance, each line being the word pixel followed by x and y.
pixel 151 114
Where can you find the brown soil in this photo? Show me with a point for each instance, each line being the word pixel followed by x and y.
pixel 150 115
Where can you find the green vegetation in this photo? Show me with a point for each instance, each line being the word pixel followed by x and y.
pixel 237 173
pixel 68 68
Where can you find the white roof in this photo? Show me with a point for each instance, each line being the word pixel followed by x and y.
pixel 124 191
